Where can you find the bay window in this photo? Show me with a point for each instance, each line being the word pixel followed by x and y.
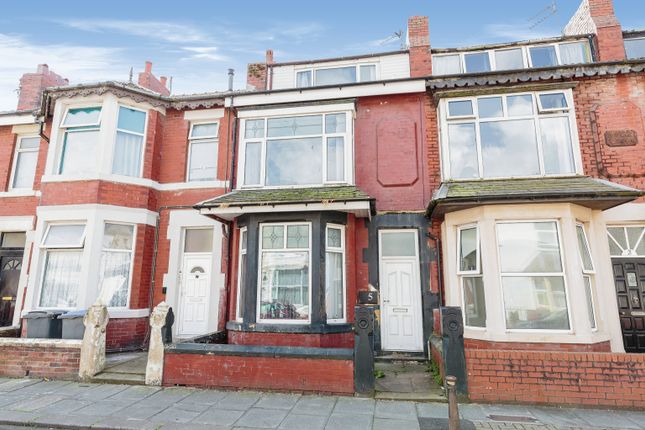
pixel 336 75
pixel 532 276
pixel 63 249
pixel 202 152
pixel 285 278
pixel 470 276
pixel 24 164
pixel 587 272
pixel 515 135
pixel 116 264
pixel 335 273
pixel 80 141
pixel 128 148
pixel 296 150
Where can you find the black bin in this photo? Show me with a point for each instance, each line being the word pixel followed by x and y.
pixel 73 327
pixel 43 325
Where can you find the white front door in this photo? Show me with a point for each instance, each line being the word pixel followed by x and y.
pixel 400 288
pixel 194 295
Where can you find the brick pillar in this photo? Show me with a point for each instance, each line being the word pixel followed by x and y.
pixel 150 81
pixel 419 46
pixel 33 84
pixel 597 17
pixel 256 73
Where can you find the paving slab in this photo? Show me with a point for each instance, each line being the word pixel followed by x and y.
pixel 76 389
pixel 121 423
pixel 204 397
pixel 166 397
pixel 241 400
pixel 7 399
pixel 100 391
pixel 16 384
pixel 139 412
pixel 190 426
pixel 432 410
pixel 314 405
pixel 395 424
pixel 354 405
pixel 135 393
pixel 398 410
pixel 309 422
pixel 34 403
pixel 65 420
pixel 64 406
pixel 262 418
pixel 277 401
pixel 224 417
pixel 175 414
pixel 600 418
pixel 13 417
pixel 470 412
pixel 349 421
pixel 43 387
pixel 103 408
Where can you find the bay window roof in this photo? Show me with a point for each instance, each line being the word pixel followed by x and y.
pixel 583 190
pixel 339 198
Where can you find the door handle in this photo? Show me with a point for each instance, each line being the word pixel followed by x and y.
pixel 386 301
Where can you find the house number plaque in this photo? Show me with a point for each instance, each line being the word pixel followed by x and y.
pixel 368 297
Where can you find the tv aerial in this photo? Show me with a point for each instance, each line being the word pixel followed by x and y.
pixel 544 14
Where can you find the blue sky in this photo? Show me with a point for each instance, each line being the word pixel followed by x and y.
pixel 195 42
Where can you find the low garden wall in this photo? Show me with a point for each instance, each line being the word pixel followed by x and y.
pixel 41 358
pixel 279 368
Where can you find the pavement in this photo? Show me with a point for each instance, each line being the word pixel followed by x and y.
pixel 59 404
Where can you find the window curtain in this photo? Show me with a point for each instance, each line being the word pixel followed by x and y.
pixel 303 79
pixel 25 169
pixel 127 154
pixel 573 53
pixel 334 285
pixel 61 279
pixel 115 277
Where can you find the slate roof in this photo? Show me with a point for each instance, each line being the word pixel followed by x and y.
pixel 283 196
pixel 591 192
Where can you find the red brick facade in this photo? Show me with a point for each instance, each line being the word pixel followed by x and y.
pixel 39 358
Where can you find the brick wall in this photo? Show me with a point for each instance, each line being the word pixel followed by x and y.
pixel 32 85
pixel 419 41
pixel 126 333
pixel 265 373
pixel 556 377
pixel 333 340
pixel 535 346
pixel 40 358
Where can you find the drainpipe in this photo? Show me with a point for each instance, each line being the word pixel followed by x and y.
pixel 437 245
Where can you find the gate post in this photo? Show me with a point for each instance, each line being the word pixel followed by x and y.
pixel 161 321
pixel 364 350
pixel 93 346
pixel 454 357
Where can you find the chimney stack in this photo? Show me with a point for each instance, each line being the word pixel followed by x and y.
pixel 33 84
pixel 419 46
pixel 597 17
pixel 150 81
pixel 256 73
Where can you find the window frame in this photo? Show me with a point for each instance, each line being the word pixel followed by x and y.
pixel 631 251
pixel 67 129
pixel 192 139
pixel 348 142
pixel 445 121
pixel 241 251
pixel 132 255
pixel 641 38
pixel 341 250
pixel 357 66
pixel 563 274
pixel 462 275
pixel 258 298
pixel 98 122
pixel 142 135
pixel 14 165
pixel 81 243
pixel 460 229
pixel 589 274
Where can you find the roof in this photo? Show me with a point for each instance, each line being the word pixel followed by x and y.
pixel 584 190
pixel 345 58
pixel 237 202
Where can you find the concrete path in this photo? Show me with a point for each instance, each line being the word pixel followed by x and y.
pixel 60 404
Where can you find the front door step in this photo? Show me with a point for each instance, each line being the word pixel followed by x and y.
pixel 120 378
pixel 124 368
pixel 409 380
pixel 389 356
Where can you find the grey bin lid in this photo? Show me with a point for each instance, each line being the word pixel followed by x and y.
pixel 42 314
pixel 73 314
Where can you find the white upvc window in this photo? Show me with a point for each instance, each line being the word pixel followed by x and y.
pixel 509 135
pixel 79 153
pixel 24 162
pixel 626 241
pixel 284 274
pixel 588 272
pixel 202 151
pixel 512 58
pixel 363 72
pixel 117 254
pixel 335 283
pixel 532 276
pixel 635 47
pixel 127 158
pixel 297 150
pixel 61 277
pixel 241 274
pixel 470 276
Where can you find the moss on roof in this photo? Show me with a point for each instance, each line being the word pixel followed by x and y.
pixel 286 196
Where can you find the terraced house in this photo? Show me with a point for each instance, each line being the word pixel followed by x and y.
pixel 503 180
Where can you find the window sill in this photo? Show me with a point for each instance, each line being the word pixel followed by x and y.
pixel 536 336
pixel 20 193
pixel 131 180
pixel 329 328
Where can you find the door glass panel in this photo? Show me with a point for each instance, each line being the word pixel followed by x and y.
pixel 13 240
pixel 633 235
pixel 398 244
pixel 198 240
pixel 618 233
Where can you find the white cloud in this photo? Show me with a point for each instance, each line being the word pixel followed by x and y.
pixel 78 63
pixel 203 53
pixel 159 30
pixel 518 31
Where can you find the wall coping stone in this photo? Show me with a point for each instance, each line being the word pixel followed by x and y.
pixel 41 343
pixel 262 351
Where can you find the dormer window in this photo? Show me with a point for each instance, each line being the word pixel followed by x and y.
pixel 81 137
pixel 335 75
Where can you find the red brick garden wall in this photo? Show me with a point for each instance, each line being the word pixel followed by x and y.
pixel 254 372
pixel 58 359
pixel 556 377
pixel 332 340
pixel 126 333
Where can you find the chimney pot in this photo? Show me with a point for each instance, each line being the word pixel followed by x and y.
pixel 148 66
pixel 269 56
pixel 163 80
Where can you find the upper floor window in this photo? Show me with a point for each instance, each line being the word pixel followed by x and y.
pixel 515 135
pixel 635 48
pixel 24 163
pixel 336 75
pixel 296 150
pixel 128 148
pixel 80 141
pixel 512 58
pixel 202 152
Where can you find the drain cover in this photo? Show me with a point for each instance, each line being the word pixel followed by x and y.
pixel 512 418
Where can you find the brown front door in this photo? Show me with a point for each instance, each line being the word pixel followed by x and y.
pixel 10 266
pixel 629 277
